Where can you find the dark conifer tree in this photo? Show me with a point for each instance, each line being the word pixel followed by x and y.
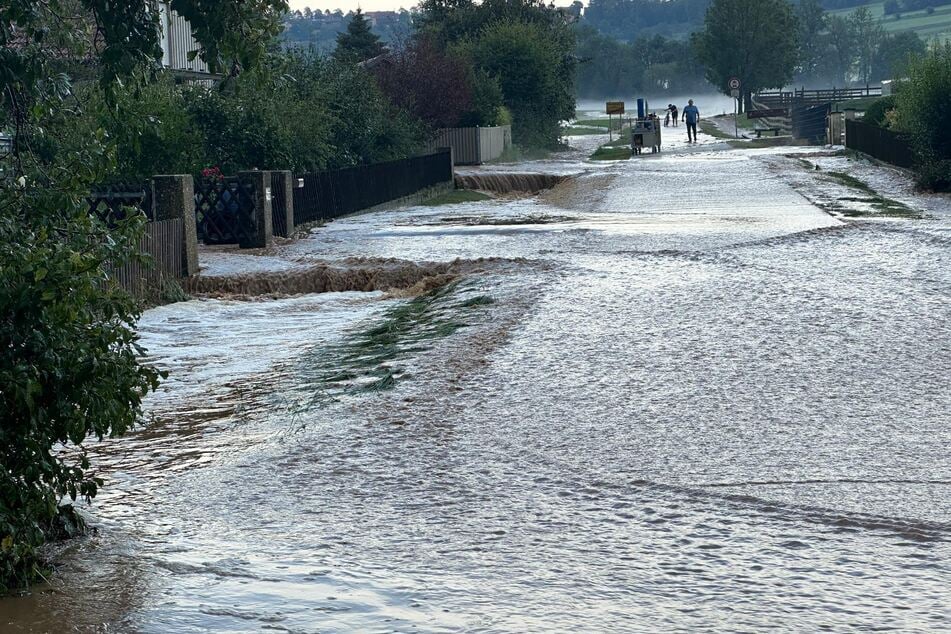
pixel 358 43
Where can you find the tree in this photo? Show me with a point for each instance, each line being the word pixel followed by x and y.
pixel 867 34
pixel 525 61
pixel 811 19
pixel 358 43
pixel 70 365
pixel 842 45
pixel 894 53
pixel 753 40
pixel 435 86
pixel 924 111
pixel 524 46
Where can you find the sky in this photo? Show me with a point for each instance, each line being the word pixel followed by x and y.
pixel 366 5
pixel 351 5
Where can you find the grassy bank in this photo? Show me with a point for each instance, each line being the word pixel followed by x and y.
pixel 709 127
pixel 369 359
pixel 576 131
pixel 456 196
pixel 616 150
pixel 936 25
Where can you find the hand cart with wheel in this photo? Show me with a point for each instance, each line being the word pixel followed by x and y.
pixel 645 134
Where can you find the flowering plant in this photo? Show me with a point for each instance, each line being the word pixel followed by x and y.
pixel 212 174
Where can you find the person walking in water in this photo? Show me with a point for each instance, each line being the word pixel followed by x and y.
pixel 691 117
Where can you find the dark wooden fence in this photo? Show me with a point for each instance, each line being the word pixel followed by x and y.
pixel 880 143
pixel 334 193
pixel 161 243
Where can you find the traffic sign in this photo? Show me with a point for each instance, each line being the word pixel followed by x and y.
pixel 734 83
pixel 735 93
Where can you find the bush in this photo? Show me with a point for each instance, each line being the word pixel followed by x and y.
pixel 524 59
pixel 877 111
pixel 302 113
pixel 69 361
pixel 924 111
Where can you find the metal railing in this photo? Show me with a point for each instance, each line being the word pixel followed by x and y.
pixel 330 194
pixel 803 97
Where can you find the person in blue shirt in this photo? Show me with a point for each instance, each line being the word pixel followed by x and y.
pixel 691 115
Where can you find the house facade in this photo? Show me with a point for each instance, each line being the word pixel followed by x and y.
pixel 177 42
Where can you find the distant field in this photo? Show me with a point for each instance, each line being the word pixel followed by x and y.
pixel 929 27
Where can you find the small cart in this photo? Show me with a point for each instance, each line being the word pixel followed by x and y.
pixel 645 134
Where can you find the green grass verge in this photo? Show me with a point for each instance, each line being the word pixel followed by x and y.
pixel 611 154
pixel 615 150
pixel 936 25
pixel 368 360
pixel 574 131
pixel 708 127
pixel 456 196
pixel 881 206
pixel 850 181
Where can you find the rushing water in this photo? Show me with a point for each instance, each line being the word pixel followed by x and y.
pixel 697 403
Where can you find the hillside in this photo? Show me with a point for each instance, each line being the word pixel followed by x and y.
pixel 934 26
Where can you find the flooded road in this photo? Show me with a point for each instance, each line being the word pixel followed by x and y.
pixel 681 398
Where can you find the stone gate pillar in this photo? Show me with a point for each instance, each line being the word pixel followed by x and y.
pixel 173 196
pixel 254 221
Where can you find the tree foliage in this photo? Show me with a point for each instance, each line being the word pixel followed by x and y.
pixel 629 20
pixel 70 365
pixel 358 43
pixel 523 45
pixel 924 111
pixel 658 65
pixel 439 87
pixel 844 49
pixel 753 40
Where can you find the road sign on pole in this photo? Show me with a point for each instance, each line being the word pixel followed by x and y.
pixel 735 93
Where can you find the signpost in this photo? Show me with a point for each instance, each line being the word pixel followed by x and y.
pixel 613 108
pixel 735 93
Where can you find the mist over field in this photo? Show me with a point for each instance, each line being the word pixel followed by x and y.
pixel 709 103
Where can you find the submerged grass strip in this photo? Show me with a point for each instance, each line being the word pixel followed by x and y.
pixel 368 360
pixel 880 205
pixel 456 196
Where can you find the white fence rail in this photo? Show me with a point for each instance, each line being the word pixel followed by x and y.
pixel 474 146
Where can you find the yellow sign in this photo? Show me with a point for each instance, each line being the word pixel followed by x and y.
pixel 614 107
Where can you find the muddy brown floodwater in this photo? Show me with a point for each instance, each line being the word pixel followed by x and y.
pixel 693 401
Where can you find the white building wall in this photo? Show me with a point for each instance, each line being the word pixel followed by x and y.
pixel 177 42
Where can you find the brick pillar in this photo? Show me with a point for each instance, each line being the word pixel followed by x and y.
pixel 255 229
pixel 173 196
pixel 283 184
